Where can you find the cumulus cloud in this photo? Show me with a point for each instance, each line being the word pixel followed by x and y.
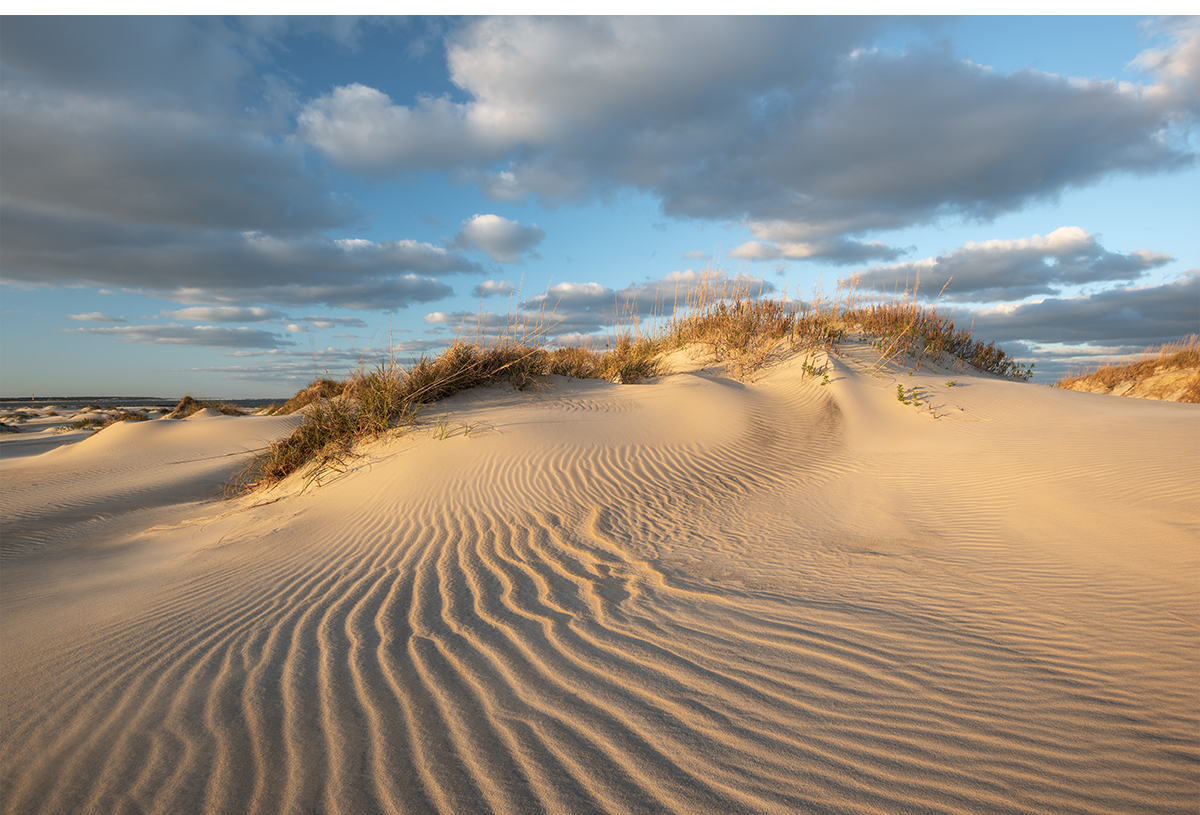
pixel 491 288
pixel 1136 316
pixel 155 155
pixel 96 317
pixel 786 120
pixel 152 121
pixel 324 323
pixel 503 240
pixel 226 314
pixel 1174 67
pixel 585 308
pixel 1016 269
pixel 208 336
pixel 46 247
pixel 838 251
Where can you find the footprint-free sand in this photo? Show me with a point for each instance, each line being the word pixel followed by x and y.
pixel 692 595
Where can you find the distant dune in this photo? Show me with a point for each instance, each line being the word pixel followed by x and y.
pixel 1170 373
pixel 901 591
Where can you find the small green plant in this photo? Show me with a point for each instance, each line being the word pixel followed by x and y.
pixel 900 394
pixel 441 430
pixel 951 383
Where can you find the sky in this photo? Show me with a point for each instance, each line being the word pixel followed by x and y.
pixel 232 207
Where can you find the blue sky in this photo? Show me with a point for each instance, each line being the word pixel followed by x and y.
pixel 230 207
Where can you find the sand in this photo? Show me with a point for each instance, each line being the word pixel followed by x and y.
pixel 694 595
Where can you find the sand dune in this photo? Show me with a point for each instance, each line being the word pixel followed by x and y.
pixel 695 595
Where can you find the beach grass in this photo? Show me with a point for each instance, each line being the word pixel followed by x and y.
pixel 1171 356
pixel 189 405
pixel 724 318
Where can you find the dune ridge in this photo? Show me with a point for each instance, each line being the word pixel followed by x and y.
pixel 694 595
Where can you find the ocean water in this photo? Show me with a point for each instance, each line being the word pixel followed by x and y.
pixel 76 403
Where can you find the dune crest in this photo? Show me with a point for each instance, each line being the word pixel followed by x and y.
pixel 691 595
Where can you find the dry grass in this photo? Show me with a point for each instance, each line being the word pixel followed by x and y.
pixel 188 405
pixel 371 404
pixel 108 421
pixel 1171 356
pixel 727 319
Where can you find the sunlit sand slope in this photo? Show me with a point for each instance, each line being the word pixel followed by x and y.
pixel 689 596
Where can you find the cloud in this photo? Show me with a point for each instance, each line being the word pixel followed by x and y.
pixel 153 121
pixel 791 120
pixel 226 314
pixel 585 308
pixel 96 317
pixel 503 240
pixel 1138 316
pixel 48 247
pixel 324 323
pixel 694 254
pixel 1175 67
pixel 1016 269
pixel 838 251
pixel 491 288
pixel 203 335
pixel 156 155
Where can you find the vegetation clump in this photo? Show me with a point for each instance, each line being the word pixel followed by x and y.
pixel 369 405
pixel 189 405
pixel 101 422
pixel 730 323
pixel 1160 373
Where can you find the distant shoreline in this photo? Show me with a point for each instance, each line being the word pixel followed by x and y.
pixel 76 402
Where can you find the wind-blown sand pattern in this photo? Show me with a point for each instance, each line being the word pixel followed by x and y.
pixel 690 596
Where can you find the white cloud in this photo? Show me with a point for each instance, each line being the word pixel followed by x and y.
pixel 503 240
pixel 491 288
pixel 1016 269
pixel 837 250
pixel 1176 65
pixel 96 317
pixel 224 268
pixel 791 121
pixel 208 336
pixel 585 308
pixel 226 314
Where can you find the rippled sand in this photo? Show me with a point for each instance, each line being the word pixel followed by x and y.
pixel 694 595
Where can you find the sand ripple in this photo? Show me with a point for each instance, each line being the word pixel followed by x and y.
pixel 698 620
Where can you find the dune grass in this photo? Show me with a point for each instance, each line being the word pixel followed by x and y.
pixel 1170 356
pixel 100 422
pixel 189 405
pixel 725 319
